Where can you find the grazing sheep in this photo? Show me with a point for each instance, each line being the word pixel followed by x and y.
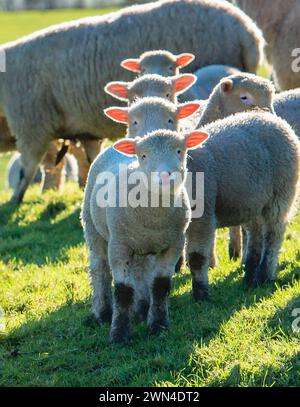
pixel 43 100
pixel 256 187
pixel 121 237
pixel 151 85
pixel 159 62
pixel 14 170
pixel 279 22
pixel 207 78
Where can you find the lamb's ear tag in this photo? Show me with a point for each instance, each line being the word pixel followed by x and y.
pixel 187 109
pixel 126 147
pixel 226 85
pixel 184 59
pixel 132 65
pixel 118 114
pixel 183 82
pixel 117 89
pixel 196 138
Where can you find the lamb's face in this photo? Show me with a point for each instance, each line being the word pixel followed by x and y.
pixel 162 159
pixel 149 116
pixel 246 94
pixel 163 64
pixel 149 87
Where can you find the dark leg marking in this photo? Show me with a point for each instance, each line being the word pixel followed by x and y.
pixel 120 330
pixel 200 288
pixel 159 319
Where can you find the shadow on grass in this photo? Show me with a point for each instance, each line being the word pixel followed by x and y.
pixel 68 348
pixel 42 240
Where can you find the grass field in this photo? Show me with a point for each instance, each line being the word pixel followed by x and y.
pixel 240 338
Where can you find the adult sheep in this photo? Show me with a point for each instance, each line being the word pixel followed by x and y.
pixel 279 22
pixel 54 79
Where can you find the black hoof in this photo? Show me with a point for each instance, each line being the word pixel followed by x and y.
pixel 200 292
pixel 156 327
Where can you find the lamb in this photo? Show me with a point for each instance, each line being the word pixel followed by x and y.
pixel 159 62
pixel 151 113
pixel 235 94
pixel 122 237
pixel 151 85
pixel 70 171
pixel 207 78
pixel 256 187
pixel 287 106
pixel 64 97
pixel 280 26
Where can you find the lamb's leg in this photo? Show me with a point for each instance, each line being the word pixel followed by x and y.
pixel 83 164
pixel 201 236
pixel 92 148
pixel 30 159
pixel 142 294
pixel 99 271
pixel 121 263
pixel 158 317
pixel 273 241
pixel 235 242
pixel 244 244
pixel 54 174
pixel 254 252
pixel 213 254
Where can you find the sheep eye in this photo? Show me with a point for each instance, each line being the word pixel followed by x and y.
pixel 143 156
pixel 170 121
pixel 168 95
pixel 244 98
pixel 171 68
pixel 178 151
pixel 135 123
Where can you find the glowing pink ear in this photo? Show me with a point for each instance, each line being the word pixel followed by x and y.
pixel 187 109
pixel 117 114
pixel 194 139
pixel 125 146
pixel 131 65
pixel 184 59
pixel 117 89
pixel 183 82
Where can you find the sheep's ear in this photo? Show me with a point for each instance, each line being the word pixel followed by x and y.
pixel 117 114
pixel 117 89
pixel 226 85
pixel 187 109
pixel 184 59
pixel 126 146
pixel 183 82
pixel 132 65
pixel 194 139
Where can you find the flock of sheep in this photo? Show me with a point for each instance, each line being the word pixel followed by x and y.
pixel 222 120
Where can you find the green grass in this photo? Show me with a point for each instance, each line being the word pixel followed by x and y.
pixel 241 337
pixel 16 24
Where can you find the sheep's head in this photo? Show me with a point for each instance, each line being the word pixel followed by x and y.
pixel 151 85
pixel 150 114
pixel 162 156
pixel 158 62
pixel 243 92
